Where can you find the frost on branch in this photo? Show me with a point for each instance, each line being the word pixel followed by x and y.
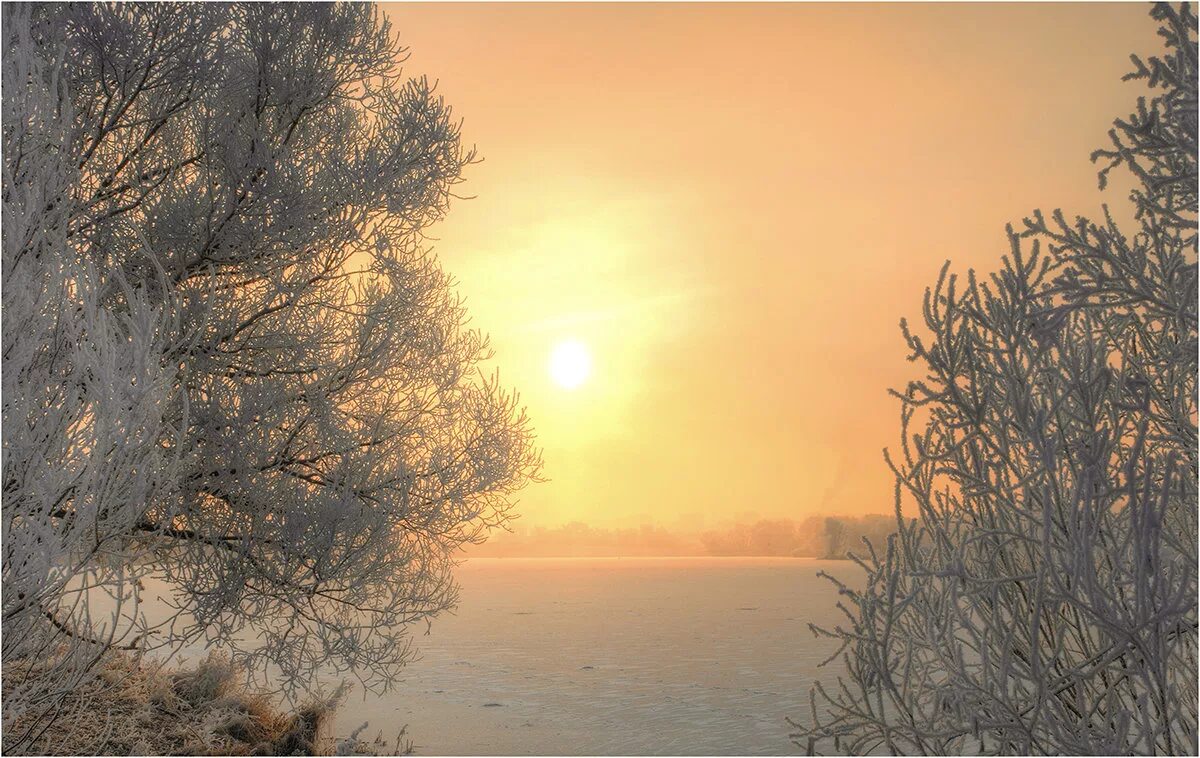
pixel 230 359
pixel 1040 595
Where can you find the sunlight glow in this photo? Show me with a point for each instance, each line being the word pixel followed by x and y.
pixel 570 364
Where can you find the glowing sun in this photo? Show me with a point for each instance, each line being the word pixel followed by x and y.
pixel 570 364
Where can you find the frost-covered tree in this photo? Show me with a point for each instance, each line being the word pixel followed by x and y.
pixel 1040 596
pixel 86 396
pixel 230 359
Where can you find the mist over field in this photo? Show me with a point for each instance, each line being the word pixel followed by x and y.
pixel 830 537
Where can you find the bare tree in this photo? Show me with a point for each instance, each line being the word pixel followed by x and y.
pixel 1043 600
pixel 230 359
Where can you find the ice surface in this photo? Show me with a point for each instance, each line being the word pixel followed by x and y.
pixel 616 656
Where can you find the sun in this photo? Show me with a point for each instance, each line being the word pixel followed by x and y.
pixel 570 364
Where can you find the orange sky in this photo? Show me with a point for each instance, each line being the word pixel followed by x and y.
pixel 732 205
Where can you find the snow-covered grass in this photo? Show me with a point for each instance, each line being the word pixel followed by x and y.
pixel 133 707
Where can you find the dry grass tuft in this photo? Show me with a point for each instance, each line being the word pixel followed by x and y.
pixel 130 708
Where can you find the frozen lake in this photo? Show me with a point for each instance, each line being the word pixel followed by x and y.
pixel 615 656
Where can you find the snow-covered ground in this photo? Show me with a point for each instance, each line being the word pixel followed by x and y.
pixel 615 656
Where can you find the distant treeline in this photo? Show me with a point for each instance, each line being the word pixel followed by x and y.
pixel 814 537
pixel 577 539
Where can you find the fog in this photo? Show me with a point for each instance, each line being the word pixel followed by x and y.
pixel 825 536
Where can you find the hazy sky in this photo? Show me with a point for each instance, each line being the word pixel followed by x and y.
pixel 731 206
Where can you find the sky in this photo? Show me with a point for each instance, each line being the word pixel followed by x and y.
pixel 731 206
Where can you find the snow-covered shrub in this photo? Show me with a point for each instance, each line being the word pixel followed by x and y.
pixel 229 357
pixel 1040 596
